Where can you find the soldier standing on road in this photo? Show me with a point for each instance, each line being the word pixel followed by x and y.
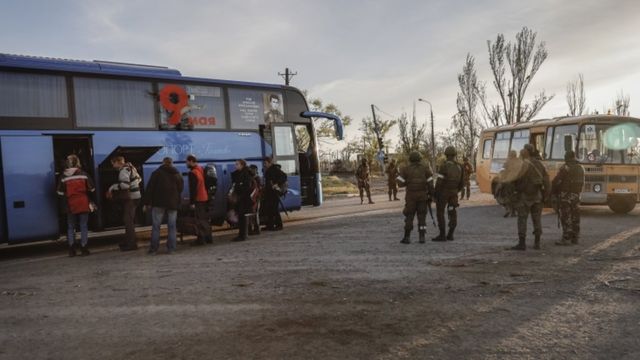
pixel 362 175
pixel 468 170
pixel 450 183
pixel 532 188
pixel 274 182
pixel 392 174
pixel 567 186
pixel 415 177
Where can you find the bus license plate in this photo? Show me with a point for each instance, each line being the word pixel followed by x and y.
pixel 621 191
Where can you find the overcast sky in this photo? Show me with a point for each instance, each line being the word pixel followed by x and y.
pixel 354 54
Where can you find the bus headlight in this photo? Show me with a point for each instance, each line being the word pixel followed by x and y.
pixel 597 188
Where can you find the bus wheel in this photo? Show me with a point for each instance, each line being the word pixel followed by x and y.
pixel 622 204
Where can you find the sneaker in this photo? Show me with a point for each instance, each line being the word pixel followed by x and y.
pixel 72 251
pixel 84 251
pixel 128 248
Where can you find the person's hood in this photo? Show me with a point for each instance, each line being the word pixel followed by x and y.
pixel 169 169
pixel 70 171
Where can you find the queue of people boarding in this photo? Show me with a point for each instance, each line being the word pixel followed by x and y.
pixel 250 198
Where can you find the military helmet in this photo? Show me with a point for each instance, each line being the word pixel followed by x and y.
pixel 530 149
pixel 415 156
pixel 569 155
pixel 450 151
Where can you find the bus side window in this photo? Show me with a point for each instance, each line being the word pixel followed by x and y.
pixel 538 142
pixel 486 148
pixel 548 144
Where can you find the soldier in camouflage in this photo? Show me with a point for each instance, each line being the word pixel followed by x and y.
pixel 449 184
pixel 415 177
pixel 362 176
pixel 392 174
pixel 532 187
pixel 567 186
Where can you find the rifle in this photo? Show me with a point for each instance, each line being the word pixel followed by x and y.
pixel 429 201
pixel 434 179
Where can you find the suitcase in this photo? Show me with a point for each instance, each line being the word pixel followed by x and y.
pixel 186 224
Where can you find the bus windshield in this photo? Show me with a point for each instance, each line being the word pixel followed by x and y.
pixel 609 144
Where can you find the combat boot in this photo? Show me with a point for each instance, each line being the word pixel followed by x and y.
pixel 536 243
pixel 422 234
pixel 521 245
pixel 450 235
pixel 440 237
pixel 406 239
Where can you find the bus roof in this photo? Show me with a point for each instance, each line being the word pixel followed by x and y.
pixel 565 120
pixel 11 61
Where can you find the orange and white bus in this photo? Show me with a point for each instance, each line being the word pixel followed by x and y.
pixel 608 147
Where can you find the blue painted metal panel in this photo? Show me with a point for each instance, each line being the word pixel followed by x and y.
pixel 29 188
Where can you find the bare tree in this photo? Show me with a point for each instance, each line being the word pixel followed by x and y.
pixel 411 135
pixel 465 123
pixel 523 60
pixel 621 104
pixel 575 97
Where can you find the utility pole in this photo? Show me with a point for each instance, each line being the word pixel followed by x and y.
pixel 287 75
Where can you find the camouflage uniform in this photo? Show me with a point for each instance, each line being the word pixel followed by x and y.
pixel 532 187
pixel 468 170
pixel 567 186
pixel 392 174
pixel 450 183
pixel 415 177
pixel 362 175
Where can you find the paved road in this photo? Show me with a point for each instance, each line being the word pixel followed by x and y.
pixel 337 288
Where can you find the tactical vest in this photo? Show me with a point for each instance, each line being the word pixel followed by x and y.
pixel 452 175
pixel 573 181
pixel 416 178
pixel 533 180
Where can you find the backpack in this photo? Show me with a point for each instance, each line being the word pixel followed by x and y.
pixel 283 184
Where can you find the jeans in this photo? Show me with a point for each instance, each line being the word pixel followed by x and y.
pixel 72 221
pixel 157 213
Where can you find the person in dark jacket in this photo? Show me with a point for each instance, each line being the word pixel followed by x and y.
pixel 242 187
pixel 163 195
pixel 274 178
pixel 76 187
pixel 199 199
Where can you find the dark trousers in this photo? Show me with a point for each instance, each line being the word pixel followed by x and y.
pixel 243 207
pixel 449 202
pixel 271 211
pixel 202 220
pixel 129 219
pixel 415 204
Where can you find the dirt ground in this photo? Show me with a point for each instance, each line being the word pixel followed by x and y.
pixel 337 284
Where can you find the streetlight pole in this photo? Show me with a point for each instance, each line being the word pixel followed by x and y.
pixel 433 136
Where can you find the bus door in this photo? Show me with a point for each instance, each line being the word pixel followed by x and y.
pixel 111 215
pixel 285 154
pixel 30 201
pixel 483 163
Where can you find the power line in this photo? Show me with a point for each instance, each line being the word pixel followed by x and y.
pixel 386 113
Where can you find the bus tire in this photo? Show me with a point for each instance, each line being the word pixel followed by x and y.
pixel 621 204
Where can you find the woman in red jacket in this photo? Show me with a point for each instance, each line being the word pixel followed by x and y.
pixel 76 186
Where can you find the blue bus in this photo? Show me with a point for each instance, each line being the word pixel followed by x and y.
pixel 50 108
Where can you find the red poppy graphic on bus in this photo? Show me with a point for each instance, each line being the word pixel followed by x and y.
pixel 197 105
